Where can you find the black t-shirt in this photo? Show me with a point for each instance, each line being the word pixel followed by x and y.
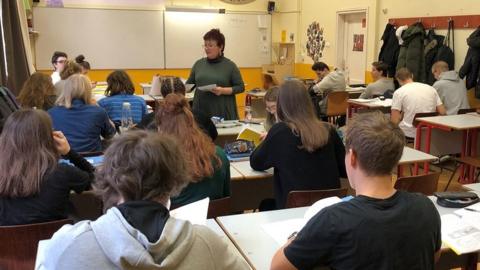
pixel 52 202
pixel 294 167
pixel 401 232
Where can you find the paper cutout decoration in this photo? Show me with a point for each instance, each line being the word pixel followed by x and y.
pixel 315 41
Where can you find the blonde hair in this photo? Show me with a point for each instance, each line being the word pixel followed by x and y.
pixel 77 86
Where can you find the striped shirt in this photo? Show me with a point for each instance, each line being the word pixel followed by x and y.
pixel 113 105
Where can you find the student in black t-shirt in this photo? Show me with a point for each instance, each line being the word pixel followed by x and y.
pixel 306 154
pixel 380 228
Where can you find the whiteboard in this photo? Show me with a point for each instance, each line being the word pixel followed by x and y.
pixel 247 37
pixel 109 38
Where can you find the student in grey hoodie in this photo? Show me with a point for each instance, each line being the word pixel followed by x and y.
pixel 450 88
pixel 327 82
pixel 141 171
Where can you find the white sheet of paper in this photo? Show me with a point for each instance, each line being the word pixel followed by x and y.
pixel 195 212
pixel 319 205
pixel 281 230
pixel 209 87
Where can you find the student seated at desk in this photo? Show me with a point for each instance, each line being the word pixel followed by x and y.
pixel 412 98
pixel 381 83
pixel 450 88
pixel 270 100
pixel 137 231
pixel 37 92
pixel 80 121
pixel 305 153
pixel 85 65
pixel 34 186
pixel 168 85
pixel 58 62
pixel 209 166
pixel 68 70
pixel 381 228
pixel 119 90
pixel 327 82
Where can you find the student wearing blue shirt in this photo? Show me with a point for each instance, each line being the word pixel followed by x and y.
pixel 120 89
pixel 81 122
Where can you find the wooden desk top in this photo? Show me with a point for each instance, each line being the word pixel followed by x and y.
pixel 457 122
pixel 243 167
pixel 411 155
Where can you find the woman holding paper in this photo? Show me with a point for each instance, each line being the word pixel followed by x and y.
pixel 217 78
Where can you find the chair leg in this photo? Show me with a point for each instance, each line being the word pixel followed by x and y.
pixel 451 176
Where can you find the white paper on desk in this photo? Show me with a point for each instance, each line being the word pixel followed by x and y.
pixel 209 87
pixel 460 234
pixel 195 212
pixel 365 100
pixel 281 230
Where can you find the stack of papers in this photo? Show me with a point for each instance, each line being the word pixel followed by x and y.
pixel 461 230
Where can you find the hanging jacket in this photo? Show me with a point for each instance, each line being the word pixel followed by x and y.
pixel 389 51
pixel 433 43
pixel 471 65
pixel 411 52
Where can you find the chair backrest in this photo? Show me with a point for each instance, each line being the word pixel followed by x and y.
pixel 302 198
pixel 19 243
pixel 337 103
pixel 86 206
pixel 464 111
pixel 425 184
pixel 423 114
pixel 219 207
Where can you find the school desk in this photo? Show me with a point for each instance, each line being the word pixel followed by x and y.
pixel 251 188
pixel 258 247
pixel 369 104
pixel 213 225
pixel 413 156
pixel 467 124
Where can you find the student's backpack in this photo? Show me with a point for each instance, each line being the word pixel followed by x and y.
pixel 8 105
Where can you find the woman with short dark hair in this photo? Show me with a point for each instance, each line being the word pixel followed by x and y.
pixel 216 69
pixel 306 154
pixel 141 171
pixel 34 186
pixel 119 90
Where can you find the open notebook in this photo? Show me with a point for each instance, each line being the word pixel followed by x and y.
pixel 461 230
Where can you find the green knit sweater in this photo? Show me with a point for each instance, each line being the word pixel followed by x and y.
pixel 222 72
pixel 216 186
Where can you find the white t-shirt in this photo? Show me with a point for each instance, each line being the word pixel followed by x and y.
pixel 55 77
pixel 413 98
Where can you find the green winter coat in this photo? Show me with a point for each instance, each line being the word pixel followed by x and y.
pixel 411 53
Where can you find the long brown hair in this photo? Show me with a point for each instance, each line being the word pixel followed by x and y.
pixel 295 108
pixel 35 91
pixel 175 118
pixel 28 153
pixel 119 83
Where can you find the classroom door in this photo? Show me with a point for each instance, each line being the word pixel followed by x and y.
pixel 353 47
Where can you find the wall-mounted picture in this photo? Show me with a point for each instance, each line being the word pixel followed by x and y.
pixel 358 43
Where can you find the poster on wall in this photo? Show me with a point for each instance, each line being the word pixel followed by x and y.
pixel 315 41
pixel 358 43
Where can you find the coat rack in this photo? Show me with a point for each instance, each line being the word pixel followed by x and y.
pixel 440 22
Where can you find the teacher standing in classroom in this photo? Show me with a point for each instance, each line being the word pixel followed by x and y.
pixel 221 71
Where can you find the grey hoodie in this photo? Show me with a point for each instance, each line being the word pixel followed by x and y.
pixel 452 91
pixel 334 81
pixel 111 242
